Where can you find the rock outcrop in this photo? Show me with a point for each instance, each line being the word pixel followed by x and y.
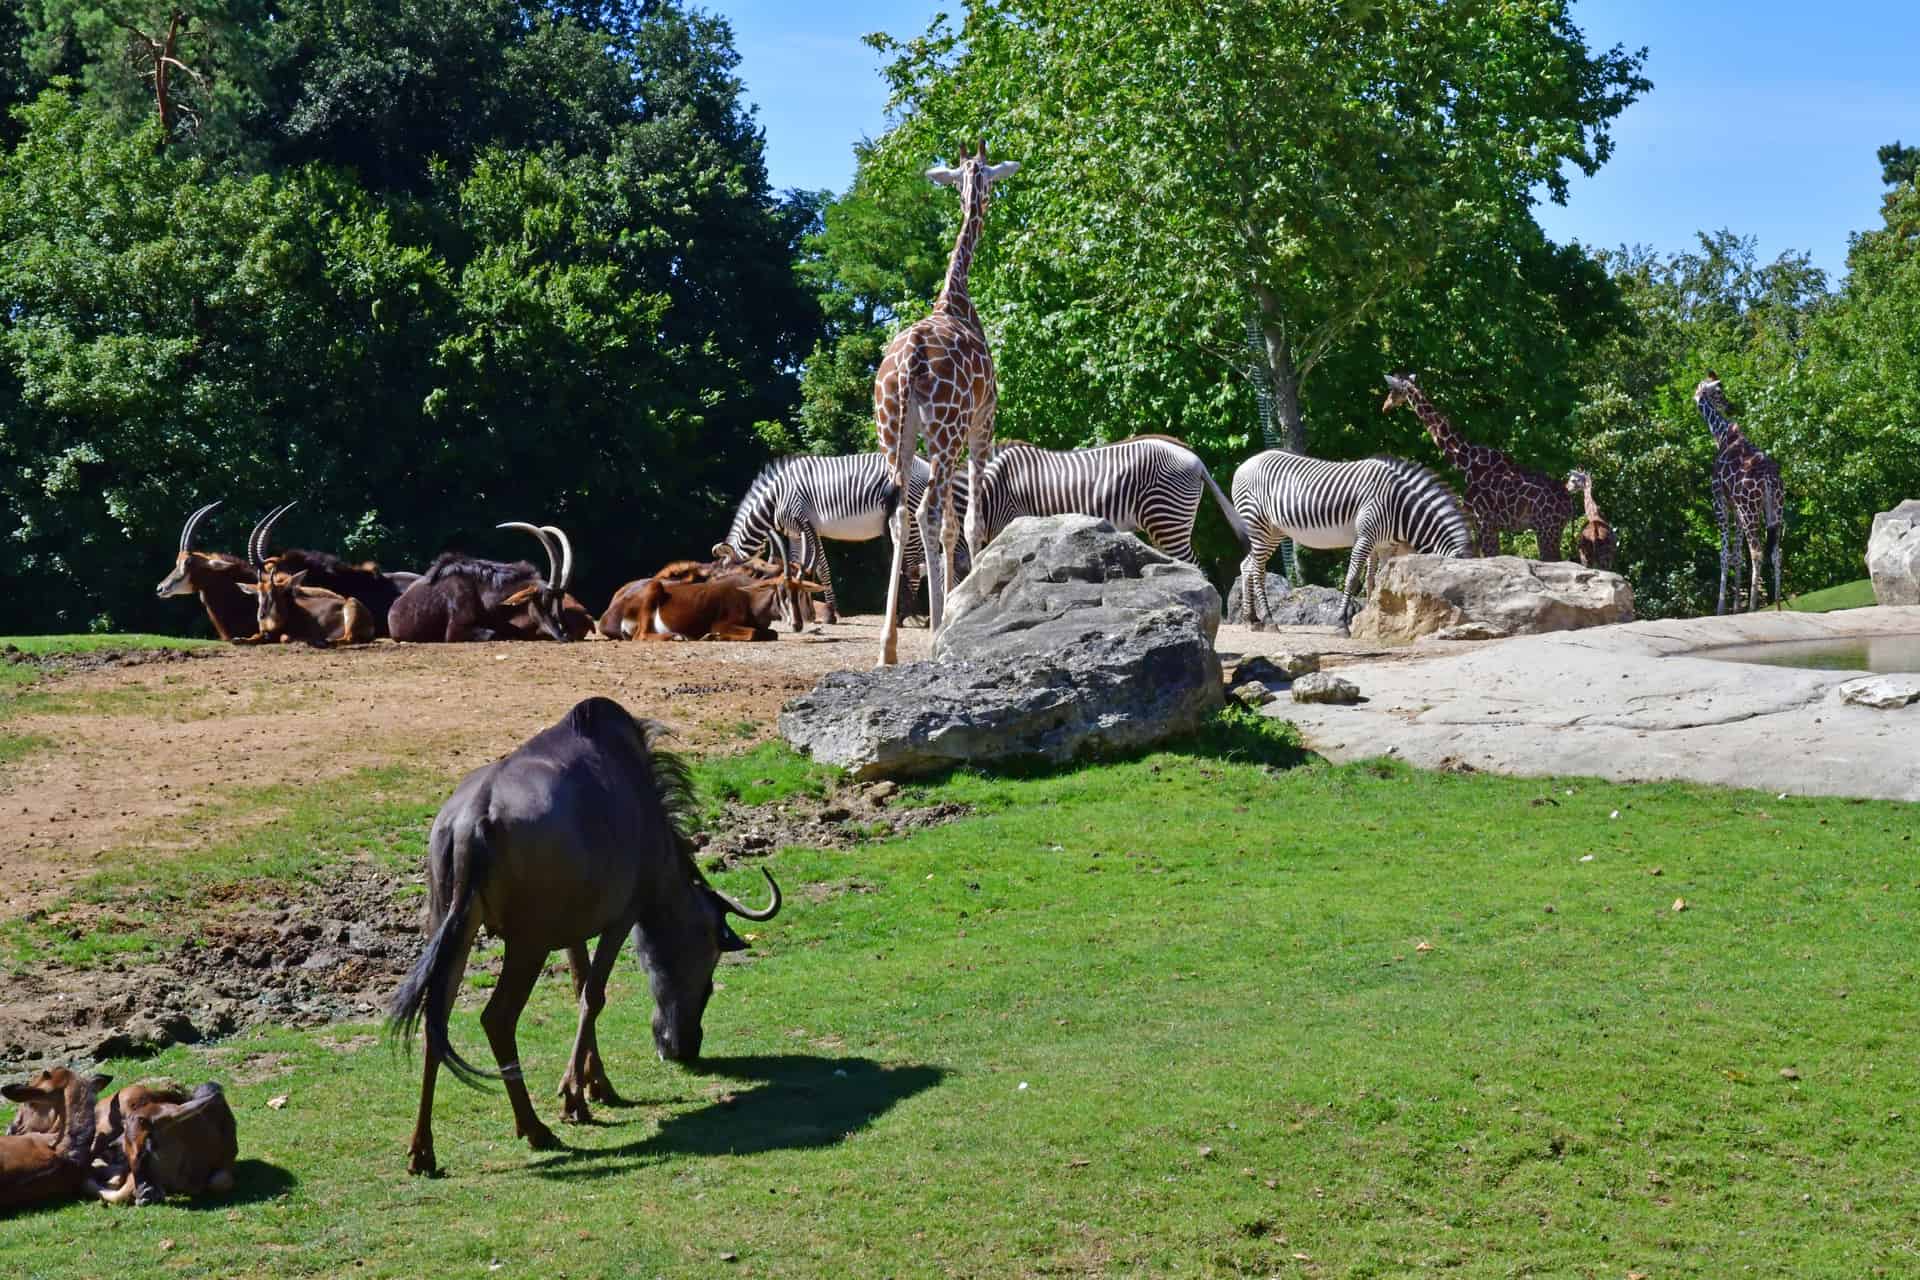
pixel 1068 639
pixel 1418 595
pixel 1307 606
pixel 1893 554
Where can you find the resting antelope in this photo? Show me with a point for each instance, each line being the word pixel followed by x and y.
pixel 723 609
pixel 620 609
pixel 460 598
pixel 288 610
pixel 376 591
pixel 215 577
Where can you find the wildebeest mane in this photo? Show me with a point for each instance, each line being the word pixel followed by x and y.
pixel 492 573
pixel 672 778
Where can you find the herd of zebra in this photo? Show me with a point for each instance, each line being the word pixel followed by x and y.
pixel 1150 484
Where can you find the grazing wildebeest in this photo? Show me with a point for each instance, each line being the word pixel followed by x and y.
pixel 460 598
pixel 575 835
pixel 41 1166
pixel 216 578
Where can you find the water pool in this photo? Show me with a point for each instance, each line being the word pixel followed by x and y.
pixel 1859 653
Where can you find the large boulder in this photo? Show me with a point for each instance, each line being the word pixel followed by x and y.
pixel 1893 554
pixel 1417 595
pixel 1068 639
pixel 1305 606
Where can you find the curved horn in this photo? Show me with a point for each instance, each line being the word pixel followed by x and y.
pixel 192 526
pixel 257 540
pixel 566 555
pixel 772 910
pixel 553 558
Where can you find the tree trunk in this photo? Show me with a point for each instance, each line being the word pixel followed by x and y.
pixel 1285 379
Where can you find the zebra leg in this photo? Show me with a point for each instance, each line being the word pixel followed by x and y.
pixel 813 561
pixel 1358 564
pixel 1254 610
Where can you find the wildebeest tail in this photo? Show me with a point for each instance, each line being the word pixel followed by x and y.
pixel 426 997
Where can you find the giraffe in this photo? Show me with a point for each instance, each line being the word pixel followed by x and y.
pixel 1747 489
pixel 936 377
pixel 1502 496
pixel 1593 541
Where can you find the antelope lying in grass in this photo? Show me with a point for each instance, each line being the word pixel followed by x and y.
pixel 618 621
pixel 54 1159
pixel 460 598
pixel 215 577
pixel 376 591
pixel 723 609
pixel 154 1140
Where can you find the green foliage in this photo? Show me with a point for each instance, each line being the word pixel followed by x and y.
pixel 1233 1047
pixel 421 323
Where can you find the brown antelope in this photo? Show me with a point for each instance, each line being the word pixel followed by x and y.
pixel 620 608
pixel 376 591
pixel 289 611
pixel 41 1166
pixel 724 609
pixel 216 578
pixel 171 1142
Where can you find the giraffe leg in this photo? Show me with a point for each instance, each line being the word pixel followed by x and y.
pixel 906 425
pixel 942 490
pixel 1777 535
pixel 1720 518
pixel 1756 553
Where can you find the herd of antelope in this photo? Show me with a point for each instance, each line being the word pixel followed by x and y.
pixel 318 598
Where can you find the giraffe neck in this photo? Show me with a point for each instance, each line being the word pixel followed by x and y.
pixel 1593 508
pixel 1726 433
pixel 953 297
pixel 1451 442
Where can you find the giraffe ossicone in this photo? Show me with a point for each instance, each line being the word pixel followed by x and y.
pixel 936 380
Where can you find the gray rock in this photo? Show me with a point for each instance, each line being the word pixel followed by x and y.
pixel 1295 665
pixel 1306 606
pixel 1893 554
pixel 1419 595
pixel 1068 639
pixel 1319 686
pixel 1884 693
pixel 1251 693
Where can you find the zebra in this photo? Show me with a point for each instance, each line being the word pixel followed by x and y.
pixel 1338 504
pixel 848 498
pixel 1148 483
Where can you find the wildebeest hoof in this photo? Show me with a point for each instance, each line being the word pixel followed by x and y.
pixel 420 1161
pixel 573 1108
pixel 541 1138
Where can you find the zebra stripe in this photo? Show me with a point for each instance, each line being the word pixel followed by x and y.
pixel 1340 504
pixel 812 498
pixel 1149 483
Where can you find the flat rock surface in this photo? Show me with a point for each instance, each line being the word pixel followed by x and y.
pixel 1635 702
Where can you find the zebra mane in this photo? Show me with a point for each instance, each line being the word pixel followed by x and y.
pixel 1155 435
pixel 1412 470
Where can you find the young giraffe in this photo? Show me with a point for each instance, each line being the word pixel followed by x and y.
pixel 1593 541
pixel 937 377
pixel 1502 496
pixel 1746 486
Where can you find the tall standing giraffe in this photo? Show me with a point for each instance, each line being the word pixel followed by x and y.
pixel 1593 542
pixel 1502 496
pixel 936 379
pixel 1747 489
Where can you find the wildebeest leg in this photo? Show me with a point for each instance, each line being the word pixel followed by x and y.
pixel 420 1150
pixel 519 970
pixel 584 1071
pixel 734 631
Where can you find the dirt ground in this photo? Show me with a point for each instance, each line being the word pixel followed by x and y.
pixel 142 743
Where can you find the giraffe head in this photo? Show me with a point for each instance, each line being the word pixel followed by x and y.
pixel 1399 391
pixel 974 176
pixel 1709 392
pixel 1578 481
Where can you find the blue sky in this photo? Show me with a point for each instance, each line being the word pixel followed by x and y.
pixel 1764 115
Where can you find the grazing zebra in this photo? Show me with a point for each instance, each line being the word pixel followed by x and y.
pixel 848 498
pixel 1149 483
pixel 1339 504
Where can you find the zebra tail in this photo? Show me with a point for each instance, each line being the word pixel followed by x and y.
pixel 1226 509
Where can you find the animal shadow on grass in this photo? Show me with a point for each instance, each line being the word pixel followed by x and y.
pixel 254 1182
pixel 796 1102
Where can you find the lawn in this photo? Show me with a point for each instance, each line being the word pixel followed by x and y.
pixel 1848 595
pixel 1219 1011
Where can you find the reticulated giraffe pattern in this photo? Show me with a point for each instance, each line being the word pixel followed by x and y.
pixel 936 380
pixel 1746 490
pixel 1593 542
pixel 1501 495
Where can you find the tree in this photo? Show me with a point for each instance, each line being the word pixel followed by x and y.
pixel 1191 163
pixel 1899 166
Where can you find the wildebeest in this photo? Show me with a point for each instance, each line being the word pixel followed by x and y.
pixel 41 1166
pixel 460 598
pixel 576 834
pixel 172 1143
pixel 216 578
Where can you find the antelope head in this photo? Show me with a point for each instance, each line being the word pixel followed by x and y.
pixel 545 600
pixel 180 581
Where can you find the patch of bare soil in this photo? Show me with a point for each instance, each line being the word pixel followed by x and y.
pixel 337 949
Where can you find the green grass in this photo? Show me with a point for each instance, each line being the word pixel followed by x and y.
pixel 1207 969
pixel 18 746
pixel 1848 595
pixel 771 771
pixel 41 646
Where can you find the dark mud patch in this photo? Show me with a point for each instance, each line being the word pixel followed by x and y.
pixel 59 664
pixel 335 949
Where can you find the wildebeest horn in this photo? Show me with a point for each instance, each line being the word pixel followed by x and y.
pixel 257 542
pixel 566 555
pixel 772 910
pixel 553 555
pixel 192 526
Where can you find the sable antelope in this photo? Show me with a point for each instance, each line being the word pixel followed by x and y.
pixel 172 1143
pixel 577 834
pixel 376 591
pixel 723 609
pixel 41 1166
pixel 621 606
pixel 1594 540
pixel 460 598
pixel 216 578
pixel 288 610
